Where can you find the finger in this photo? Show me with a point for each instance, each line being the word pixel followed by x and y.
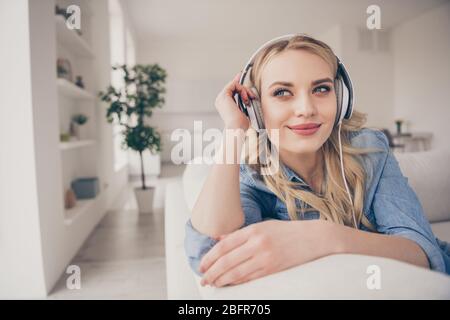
pixel 243 92
pixel 237 77
pixel 221 237
pixel 248 92
pixel 252 276
pixel 234 239
pixel 228 262
pixel 235 87
pixel 239 272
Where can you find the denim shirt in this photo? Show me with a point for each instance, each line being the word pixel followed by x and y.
pixel 390 204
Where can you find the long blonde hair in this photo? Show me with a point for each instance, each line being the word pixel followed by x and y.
pixel 332 202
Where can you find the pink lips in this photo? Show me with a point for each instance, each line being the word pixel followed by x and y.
pixel 305 129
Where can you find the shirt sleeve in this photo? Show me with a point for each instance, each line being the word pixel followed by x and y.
pixel 197 244
pixel 398 211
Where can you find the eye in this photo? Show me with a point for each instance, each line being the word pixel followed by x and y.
pixel 322 89
pixel 280 92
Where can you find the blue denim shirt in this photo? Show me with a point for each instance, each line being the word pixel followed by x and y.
pixel 390 204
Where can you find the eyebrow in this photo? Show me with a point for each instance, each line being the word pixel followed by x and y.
pixel 290 84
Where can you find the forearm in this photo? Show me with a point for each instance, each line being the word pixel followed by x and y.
pixel 218 208
pixel 349 240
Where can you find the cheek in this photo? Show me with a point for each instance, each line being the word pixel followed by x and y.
pixel 327 109
pixel 275 117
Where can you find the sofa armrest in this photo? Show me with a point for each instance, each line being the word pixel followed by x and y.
pixel 343 276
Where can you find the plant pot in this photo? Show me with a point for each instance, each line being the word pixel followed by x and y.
pixel 75 130
pixel 144 199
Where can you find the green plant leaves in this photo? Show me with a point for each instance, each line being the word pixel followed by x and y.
pixel 141 138
pixel 142 92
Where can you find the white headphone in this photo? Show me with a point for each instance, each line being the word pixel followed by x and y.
pixel 344 96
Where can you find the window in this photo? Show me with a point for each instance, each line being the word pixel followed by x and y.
pixel 122 51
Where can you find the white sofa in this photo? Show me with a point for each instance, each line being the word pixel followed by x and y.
pixel 332 277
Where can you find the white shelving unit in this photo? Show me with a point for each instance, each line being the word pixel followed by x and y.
pixel 71 90
pixel 76 212
pixel 79 157
pixel 71 40
pixel 63 146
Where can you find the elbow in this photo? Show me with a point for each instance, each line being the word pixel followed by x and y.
pixel 196 245
pixel 194 264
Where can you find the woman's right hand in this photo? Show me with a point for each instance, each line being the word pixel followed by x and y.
pixel 227 107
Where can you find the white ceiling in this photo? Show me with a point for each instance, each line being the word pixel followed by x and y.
pixel 243 18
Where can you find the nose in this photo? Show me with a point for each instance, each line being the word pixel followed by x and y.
pixel 304 106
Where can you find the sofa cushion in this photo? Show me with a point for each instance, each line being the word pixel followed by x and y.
pixel 429 176
pixel 341 276
pixel 180 283
pixel 194 177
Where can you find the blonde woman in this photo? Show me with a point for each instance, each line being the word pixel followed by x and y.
pixel 247 223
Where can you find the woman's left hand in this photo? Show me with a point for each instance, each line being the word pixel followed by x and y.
pixel 264 248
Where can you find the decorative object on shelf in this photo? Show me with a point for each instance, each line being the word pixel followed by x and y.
pixel 86 188
pixel 70 199
pixel 77 121
pixel 79 82
pixel 64 69
pixel 399 123
pixel 61 12
pixel 414 141
pixel 131 106
pixel 64 137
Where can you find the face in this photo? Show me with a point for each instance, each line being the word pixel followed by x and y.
pixel 297 88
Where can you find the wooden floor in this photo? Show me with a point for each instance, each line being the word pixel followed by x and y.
pixel 123 258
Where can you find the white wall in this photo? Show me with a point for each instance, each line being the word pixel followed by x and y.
pixel 372 76
pixel 21 268
pixel 197 70
pixel 422 73
pixel 35 244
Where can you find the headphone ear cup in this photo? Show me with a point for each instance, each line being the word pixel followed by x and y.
pixel 256 111
pixel 345 102
pixel 339 93
pixel 347 96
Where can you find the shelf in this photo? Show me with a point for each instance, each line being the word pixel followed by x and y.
pixel 81 207
pixel 75 144
pixel 67 88
pixel 71 40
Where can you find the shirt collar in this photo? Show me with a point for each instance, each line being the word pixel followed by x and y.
pixel 292 176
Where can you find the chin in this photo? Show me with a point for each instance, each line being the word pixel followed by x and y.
pixel 302 146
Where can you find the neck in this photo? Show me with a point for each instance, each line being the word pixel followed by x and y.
pixel 307 165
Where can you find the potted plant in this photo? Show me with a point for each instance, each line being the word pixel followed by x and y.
pixel 131 106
